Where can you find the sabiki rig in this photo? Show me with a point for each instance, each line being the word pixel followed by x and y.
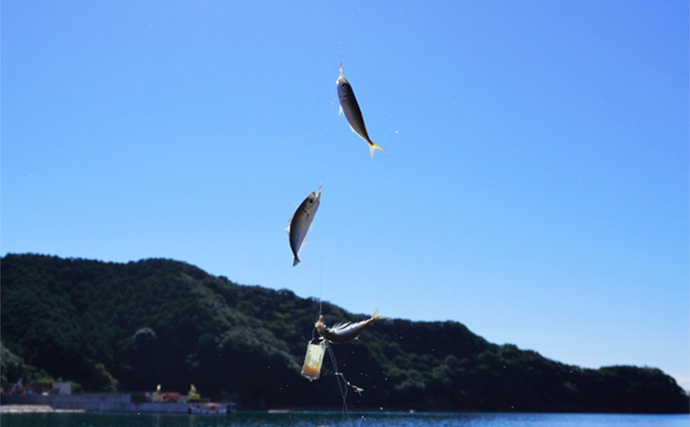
pixel 345 332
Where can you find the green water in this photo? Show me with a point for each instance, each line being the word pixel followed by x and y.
pixel 332 419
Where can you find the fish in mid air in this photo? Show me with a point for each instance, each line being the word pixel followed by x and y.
pixel 301 221
pixel 349 106
pixel 345 332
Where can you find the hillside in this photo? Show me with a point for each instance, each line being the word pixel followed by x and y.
pixel 129 327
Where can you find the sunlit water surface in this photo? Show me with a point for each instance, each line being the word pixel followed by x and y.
pixel 332 419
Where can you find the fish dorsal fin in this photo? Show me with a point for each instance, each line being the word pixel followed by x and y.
pixel 341 325
pixel 291 218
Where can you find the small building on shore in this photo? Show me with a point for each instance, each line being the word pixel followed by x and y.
pixel 111 402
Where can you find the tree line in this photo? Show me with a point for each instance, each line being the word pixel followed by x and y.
pixel 131 326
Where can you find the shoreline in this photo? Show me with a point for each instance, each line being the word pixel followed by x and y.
pixel 35 409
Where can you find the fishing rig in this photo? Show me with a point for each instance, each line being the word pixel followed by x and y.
pixel 316 348
pixel 313 361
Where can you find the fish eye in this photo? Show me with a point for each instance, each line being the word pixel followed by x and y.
pixel 311 200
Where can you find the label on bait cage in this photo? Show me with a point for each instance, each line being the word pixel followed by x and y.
pixel 311 369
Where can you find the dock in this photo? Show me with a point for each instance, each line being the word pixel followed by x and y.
pixel 105 402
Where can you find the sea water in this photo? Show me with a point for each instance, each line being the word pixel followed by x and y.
pixel 339 419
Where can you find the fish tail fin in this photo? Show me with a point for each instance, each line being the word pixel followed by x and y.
pixel 376 316
pixel 373 147
pixel 296 261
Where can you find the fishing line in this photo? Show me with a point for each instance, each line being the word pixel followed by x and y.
pixel 340 378
pixel 321 274
pixel 342 385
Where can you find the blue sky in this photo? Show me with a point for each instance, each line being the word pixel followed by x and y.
pixel 535 186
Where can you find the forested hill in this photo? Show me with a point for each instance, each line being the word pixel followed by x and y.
pixel 129 327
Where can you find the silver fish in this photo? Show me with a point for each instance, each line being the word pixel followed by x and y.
pixel 345 332
pixel 349 106
pixel 301 221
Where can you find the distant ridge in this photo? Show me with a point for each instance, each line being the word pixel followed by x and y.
pixel 131 326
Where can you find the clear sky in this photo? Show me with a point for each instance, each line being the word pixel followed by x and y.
pixel 535 186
